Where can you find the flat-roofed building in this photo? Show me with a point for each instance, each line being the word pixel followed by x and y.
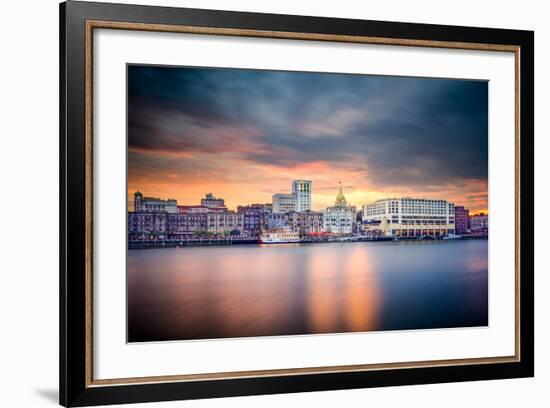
pixel 301 189
pixel 153 204
pixel 254 218
pixel 311 222
pixel 186 225
pixel 212 202
pixel 224 222
pixel 283 203
pixel 409 217
pixel 462 220
pixel 298 200
pixel 147 226
pixel 479 223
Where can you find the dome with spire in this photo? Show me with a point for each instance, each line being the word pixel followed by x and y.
pixel 340 198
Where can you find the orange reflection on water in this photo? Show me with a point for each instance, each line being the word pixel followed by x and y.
pixel 323 295
pixel 254 298
pixel 221 292
pixel 362 294
pixel 343 293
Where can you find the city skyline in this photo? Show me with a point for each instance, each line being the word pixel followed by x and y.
pixel 197 202
pixel 242 134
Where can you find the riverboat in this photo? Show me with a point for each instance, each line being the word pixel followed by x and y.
pixel 280 237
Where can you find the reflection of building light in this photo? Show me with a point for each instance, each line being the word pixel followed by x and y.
pixel 322 302
pixel 342 297
pixel 362 294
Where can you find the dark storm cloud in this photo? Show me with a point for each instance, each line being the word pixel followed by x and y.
pixel 402 131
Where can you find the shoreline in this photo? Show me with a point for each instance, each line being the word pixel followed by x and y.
pixel 132 245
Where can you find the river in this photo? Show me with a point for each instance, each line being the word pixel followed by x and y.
pixel 290 289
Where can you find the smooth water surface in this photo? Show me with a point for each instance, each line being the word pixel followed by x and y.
pixel 239 291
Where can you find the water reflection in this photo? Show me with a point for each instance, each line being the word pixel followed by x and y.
pixel 362 294
pixel 211 292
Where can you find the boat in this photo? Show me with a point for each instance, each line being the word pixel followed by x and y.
pixel 452 236
pixel 279 237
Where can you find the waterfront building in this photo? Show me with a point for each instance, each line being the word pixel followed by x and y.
pixel 292 220
pixel 147 226
pixel 301 189
pixel 283 203
pixel 143 226
pixel 152 204
pixel 299 200
pixel 339 218
pixel 186 225
pixel 462 220
pixel 276 220
pixel 254 218
pixel 479 223
pixel 409 217
pixel 306 222
pixel 311 222
pixel 224 222
pixel 210 201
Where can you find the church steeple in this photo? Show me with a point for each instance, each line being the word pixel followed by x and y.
pixel 340 198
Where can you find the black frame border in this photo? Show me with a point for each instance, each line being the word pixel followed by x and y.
pixel 72 255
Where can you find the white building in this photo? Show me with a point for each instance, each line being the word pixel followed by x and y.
pixel 299 200
pixel 152 204
pixel 339 218
pixel 301 189
pixel 283 203
pixel 410 217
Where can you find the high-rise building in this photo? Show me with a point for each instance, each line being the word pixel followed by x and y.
pixel 302 191
pixel 462 219
pixel 299 200
pixel 339 218
pixel 410 217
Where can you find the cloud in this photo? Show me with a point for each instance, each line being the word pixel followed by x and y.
pixel 382 133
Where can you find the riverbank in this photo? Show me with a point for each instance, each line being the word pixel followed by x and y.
pixel 256 241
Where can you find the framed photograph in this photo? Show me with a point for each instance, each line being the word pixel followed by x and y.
pixel 256 204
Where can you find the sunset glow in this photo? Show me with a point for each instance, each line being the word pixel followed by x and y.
pixel 244 135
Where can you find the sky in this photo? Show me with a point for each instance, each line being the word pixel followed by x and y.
pixel 244 135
